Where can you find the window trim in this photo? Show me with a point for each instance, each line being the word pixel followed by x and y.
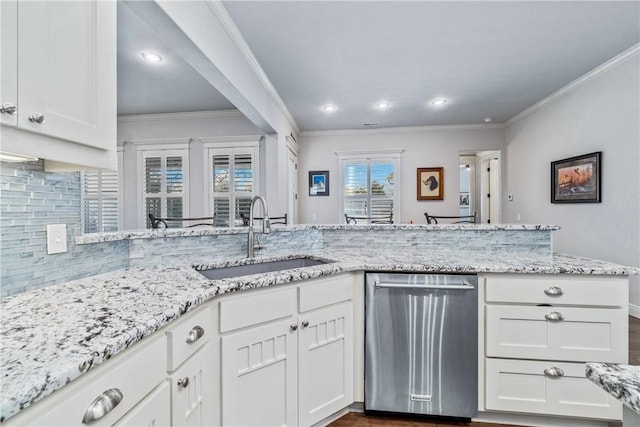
pixel 231 145
pixel 366 157
pixel 100 195
pixel 163 148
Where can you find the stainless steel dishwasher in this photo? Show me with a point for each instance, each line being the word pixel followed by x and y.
pixel 421 344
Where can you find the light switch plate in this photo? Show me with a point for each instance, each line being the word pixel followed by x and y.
pixel 56 238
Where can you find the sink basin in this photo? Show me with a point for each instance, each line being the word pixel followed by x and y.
pixel 262 267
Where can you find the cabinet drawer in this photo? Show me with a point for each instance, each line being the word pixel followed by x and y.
pixel 187 336
pixel 558 290
pixel 585 334
pixel 522 386
pixel 135 374
pixel 240 312
pixel 324 292
pixel 154 410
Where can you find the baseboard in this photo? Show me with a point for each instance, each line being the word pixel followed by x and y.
pixel 634 310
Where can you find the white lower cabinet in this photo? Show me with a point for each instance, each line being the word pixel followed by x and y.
pixel 154 410
pixel 523 386
pixel 191 347
pixel 288 368
pixel 131 376
pixel 259 368
pixel 325 365
pixel 539 332
pixel 191 390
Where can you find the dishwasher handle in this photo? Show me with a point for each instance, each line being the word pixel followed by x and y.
pixel 464 286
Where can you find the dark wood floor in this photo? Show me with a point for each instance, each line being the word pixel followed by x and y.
pixel 355 419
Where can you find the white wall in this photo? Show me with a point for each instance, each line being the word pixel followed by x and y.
pixel 180 125
pixel 600 114
pixel 423 147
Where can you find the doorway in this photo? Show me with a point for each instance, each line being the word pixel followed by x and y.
pixel 480 177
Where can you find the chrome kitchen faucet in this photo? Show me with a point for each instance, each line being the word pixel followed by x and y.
pixel 266 225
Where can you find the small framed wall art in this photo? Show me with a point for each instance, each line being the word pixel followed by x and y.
pixel 430 184
pixel 576 179
pixel 318 183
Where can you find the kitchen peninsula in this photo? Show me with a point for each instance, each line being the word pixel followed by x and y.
pixel 61 334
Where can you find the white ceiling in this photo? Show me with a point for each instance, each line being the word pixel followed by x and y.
pixel 171 86
pixel 489 59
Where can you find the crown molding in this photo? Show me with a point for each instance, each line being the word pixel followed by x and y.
pixel 174 142
pixel 616 60
pixel 180 116
pixel 254 139
pixel 224 18
pixel 405 129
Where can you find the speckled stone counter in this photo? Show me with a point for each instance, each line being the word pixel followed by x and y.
pixel 621 381
pixel 52 336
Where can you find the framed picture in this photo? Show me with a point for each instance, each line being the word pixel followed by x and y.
pixel 430 183
pixel 318 183
pixel 464 200
pixel 576 179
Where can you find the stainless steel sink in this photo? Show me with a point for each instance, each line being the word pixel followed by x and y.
pixel 261 267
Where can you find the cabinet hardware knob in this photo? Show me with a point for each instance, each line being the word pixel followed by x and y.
pixel 554 291
pixel 8 108
pixel 102 405
pixel 194 334
pixel 183 382
pixel 554 316
pixel 36 118
pixel 554 372
pixel 294 327
pixel 305 323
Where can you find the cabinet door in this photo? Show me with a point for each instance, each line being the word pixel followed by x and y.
pixel 67 70
pixel 325 362
pixel 154 410
pixel 192 391
pixel 9 59
pixel 259 378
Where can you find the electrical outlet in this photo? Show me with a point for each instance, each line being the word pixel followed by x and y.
pixel 56 238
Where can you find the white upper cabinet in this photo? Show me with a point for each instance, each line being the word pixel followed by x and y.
pixel 9 52
pixel 60 63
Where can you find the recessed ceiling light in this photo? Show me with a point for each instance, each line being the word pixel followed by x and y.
pixel 329 108
pixel 382 105
pixel 488 119
pixel 439 101
pixel 151 56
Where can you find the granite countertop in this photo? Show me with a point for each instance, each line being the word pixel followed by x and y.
pixel 621 381
pixel 53 335
pixel 211 231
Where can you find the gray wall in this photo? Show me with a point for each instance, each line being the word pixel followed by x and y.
pixel 600 114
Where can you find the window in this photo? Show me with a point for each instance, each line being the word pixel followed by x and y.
pixel 164 184
pixel 370 184
pixel 233 179
pixel 101 196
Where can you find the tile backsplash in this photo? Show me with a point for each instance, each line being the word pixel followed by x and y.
pixel 30 199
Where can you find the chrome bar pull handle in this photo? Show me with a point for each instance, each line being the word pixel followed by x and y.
pixel 36 118
pixel 554 372
pixel 553 291
pixel 183 382
pixel 554 316
pixel 102 405
pixel 8 108
pixel 194 334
